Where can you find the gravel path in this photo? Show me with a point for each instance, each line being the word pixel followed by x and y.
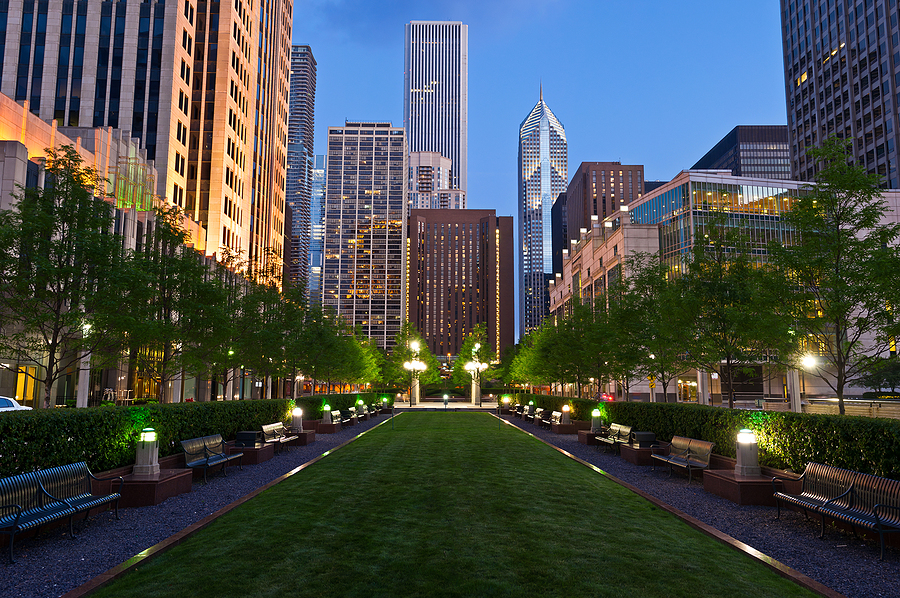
pixel 52 564
pixel 839 561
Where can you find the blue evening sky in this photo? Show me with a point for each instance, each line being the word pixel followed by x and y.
pixel 646 82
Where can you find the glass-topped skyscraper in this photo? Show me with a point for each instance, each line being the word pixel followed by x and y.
pixel 543 175
pixel 300 159
pixel 436 92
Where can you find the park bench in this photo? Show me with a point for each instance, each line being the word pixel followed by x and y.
pixel 536 415
pixel 528 413
pixel 348 417
pixel 858 499
pixel 518 411
pixel 277 434
pixel 615 436
pixel 337 417
pixel 29 500
pixel 208 451
pixel 548 418
pixel 688 453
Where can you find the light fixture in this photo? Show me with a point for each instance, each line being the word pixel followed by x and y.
pixel 146 460
pixel 747 454
pixel 809 362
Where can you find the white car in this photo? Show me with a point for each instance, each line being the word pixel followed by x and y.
pixel 8 404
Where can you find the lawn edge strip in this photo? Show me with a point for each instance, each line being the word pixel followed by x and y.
pixel 177 538
pixel 773 564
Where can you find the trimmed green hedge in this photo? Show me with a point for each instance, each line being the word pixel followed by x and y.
pixel 105 437
pixel 580 408
pixel 786 440
pixel 312 406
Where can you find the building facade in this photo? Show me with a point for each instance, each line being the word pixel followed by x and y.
pixel 436 92
pixel 202 86
pixel 840 77
pixel 600 189
pixel 543 174
pixel 429 183
pixel 364 270
pixel 317 229
pixel 758 151
pixel 300 161
pixel 460 276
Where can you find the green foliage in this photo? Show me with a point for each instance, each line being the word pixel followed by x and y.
pixel 474 346
pixel 845 263
pixel 786 440
pixel 313 406
pixel 60 269
pixel 395 374
pixel 580 408
pixel 106 437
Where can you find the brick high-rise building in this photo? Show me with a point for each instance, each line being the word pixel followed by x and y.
pixel 364 274
pixel 461 275
pixel 600 189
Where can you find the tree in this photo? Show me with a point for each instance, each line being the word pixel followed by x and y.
pixel 658 304
pixel 174 313
pixel 475 346
pixel 883 373
pixel 845 264
pixel 60 267
pixel 736 305
pixel 393 371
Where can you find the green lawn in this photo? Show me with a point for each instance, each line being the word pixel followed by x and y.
pixel 445 504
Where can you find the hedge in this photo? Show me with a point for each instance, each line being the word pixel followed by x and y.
pixel 105 437
pixel 786 440
pixel 312 406
pixel 580 408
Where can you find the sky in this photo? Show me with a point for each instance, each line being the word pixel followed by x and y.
pixel 657 83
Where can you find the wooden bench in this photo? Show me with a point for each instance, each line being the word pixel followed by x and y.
pixel 688 453
pixel 208 451
pixel 29 500
pixel 615 436
pixel 858 499
pixel 277 434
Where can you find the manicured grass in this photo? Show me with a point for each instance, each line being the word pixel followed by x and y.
pixel 445 504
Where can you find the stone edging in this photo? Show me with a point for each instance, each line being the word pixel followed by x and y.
pixel 776 566
pixel 101 580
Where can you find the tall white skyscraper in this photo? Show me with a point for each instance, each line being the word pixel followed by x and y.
pixel 435 92
pixel 543 175
pixel 300 160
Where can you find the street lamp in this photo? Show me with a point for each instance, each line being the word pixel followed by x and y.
pixel 475 368
pixel 415 367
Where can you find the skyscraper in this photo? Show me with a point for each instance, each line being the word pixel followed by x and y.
pixel 840 75
pixel 300 159
pixel 429 183
pixel 760 151
pixel 461 275
pixel 543 173
pixel 198 83
pixel 317 230
pixel 435 92
pixel 364 277
pixel 599 189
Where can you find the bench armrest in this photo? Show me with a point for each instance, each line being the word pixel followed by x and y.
pixel 110 479
pixel 47 494
pixel 658 447
pixel 828 502
pixel 883 507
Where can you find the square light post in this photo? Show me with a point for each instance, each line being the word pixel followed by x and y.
pixel 146 462
pixel 747 454
pixel 596 422
pixel 565 419
pixel 297 419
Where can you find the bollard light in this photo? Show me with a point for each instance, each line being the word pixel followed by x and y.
pixel 297 419
pixel 565 415
pixel 596 422
pixel 747 454
pixel 146 461
pixel 326 413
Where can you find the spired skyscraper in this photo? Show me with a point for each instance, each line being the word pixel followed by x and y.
pixel 543 175
pixel 435 92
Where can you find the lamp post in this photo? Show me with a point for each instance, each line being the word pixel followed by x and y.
pixel 415 367
pixel 146 461
pixel 297 419
pixel 475 367
pixel 747 454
